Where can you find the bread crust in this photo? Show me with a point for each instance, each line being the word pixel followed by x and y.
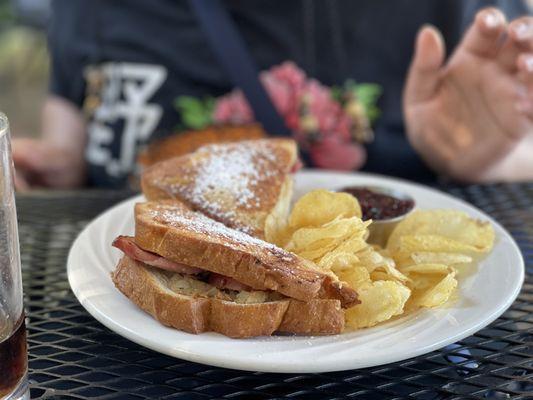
pixel 319 317
pixel 186 142
pixel 193 314
pixel 186 313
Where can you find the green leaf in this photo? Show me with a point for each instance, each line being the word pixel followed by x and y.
pixel 336 93
pixel 195 113
pixel 368 94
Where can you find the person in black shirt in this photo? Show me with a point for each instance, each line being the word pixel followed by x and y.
pixel 468 116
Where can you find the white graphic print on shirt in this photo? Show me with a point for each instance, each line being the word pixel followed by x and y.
pixel 125 92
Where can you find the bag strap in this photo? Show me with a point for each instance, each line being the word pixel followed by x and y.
pixel 231 52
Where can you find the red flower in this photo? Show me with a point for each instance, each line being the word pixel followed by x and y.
pixel 295 95
pixel 233 109
pixel 332 153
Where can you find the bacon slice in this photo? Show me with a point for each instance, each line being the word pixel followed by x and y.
pixel 130 248
pixel 225 282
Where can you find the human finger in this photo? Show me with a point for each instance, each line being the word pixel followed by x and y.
pixel 519 39
pixel 484 37
pixel 424 72
pixel 524 65
pixel 521 32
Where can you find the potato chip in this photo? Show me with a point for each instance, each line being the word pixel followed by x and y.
pixel 335 232
pixel 426 269
pixel 392 273
pixel 370 259
pixel 354 243
pixel 422 257
pixel 314 243
pixel 319 207
pixel 420 282
pixel 416 269
pixel 356 277
pixel 435 295
pixel 410 244
pixel 337 261
pixel 389 268
pixel 316 254
pixel 454 225
pixel 380 301
pixel 381 276
pixel 383 252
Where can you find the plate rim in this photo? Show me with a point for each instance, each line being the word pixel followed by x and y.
pixel 263 365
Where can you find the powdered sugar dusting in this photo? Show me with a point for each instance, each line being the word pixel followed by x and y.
pixel 209 230
pixel 199 223
pixel 226 177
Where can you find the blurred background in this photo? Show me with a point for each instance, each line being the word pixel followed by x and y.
pixel 24 71
pixel 23 62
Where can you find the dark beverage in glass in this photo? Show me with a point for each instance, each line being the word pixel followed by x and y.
pixel 13 352
pixel 13 357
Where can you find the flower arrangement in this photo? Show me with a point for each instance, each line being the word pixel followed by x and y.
pixel 329 123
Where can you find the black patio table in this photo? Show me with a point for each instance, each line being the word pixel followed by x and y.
pixel 72 356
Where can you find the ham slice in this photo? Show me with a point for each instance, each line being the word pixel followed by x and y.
pixel 130 248
pixel 225 282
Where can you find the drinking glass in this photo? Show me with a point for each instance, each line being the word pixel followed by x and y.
pixel 13 348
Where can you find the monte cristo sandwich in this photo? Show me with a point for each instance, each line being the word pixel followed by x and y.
pixel 195 274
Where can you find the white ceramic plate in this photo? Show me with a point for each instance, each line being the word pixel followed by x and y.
pixel 483 297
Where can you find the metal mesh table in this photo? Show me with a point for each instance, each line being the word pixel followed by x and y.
pixel 72 356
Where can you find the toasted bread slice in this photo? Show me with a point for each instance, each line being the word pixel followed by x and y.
pixel 239 184
pixel 171 230
pixel 193 306
pixel 186 142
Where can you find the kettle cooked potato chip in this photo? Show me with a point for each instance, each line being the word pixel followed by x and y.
pixel 416 269
pixel 456 226
pixel 319 207
pixel 421 257
pixel 380 301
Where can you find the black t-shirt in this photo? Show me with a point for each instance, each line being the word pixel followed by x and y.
pixel 146 53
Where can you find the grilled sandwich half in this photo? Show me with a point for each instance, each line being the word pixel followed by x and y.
pixel 240 184
pixel 195 274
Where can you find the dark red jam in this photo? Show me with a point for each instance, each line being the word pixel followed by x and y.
pixel 379 206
